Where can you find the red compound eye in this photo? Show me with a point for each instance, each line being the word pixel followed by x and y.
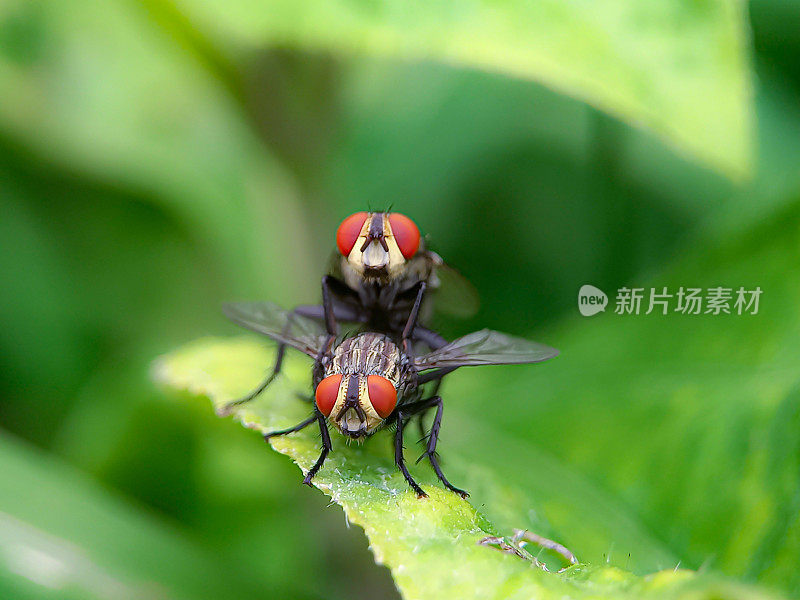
pixel 405 234
pixel 348 232
pixel 382 395
pixel 327 391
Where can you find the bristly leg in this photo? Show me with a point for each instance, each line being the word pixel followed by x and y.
pixel 400 460
pixel 326 448
pixel 324 312
pixel 297 427
pixel 423 433
pixel 276 369
pixel 332 327
pixel 430 451
pixel 408 330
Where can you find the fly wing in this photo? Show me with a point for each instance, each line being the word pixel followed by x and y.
pixel 455 295
pixel 485 347
pixel 281 325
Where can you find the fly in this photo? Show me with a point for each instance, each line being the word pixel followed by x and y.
pixel 366 382
pixel 381 261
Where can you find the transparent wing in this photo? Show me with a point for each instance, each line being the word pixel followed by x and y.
pixel 485 347
pixel 281 325
pixel 454 294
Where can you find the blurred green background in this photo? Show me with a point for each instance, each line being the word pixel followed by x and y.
pixel 157 159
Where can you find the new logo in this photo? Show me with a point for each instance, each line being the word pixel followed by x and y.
pixel 591 300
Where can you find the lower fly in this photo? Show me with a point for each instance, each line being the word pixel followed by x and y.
pixel 368 381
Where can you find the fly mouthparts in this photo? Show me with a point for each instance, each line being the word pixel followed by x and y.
pixel 372 275
pixel 358 434
pixel 352 425
pixel 375 270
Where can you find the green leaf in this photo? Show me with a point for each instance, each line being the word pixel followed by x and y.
pixel 691 420
pixel 432 545
pixel 681 69
pixel 63 537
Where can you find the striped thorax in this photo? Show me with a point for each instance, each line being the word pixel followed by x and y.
pixel 360 385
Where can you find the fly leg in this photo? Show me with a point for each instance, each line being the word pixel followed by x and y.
pixel 408 330
pixel 331 325
pixel 276 369
pixel 429 337
pixel 337 299
pixel 317 311
pixel 434 341
pixel 423 434
pixel 324 312
pixel 407 337
pixel 327 305
pixel 430 450
pixel 434 374
pixel 400 461
pixel 297 427
pixel 324 354
pixel 326 448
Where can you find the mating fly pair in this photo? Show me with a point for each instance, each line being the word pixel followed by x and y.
pixel 380 270
pixel 372 379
